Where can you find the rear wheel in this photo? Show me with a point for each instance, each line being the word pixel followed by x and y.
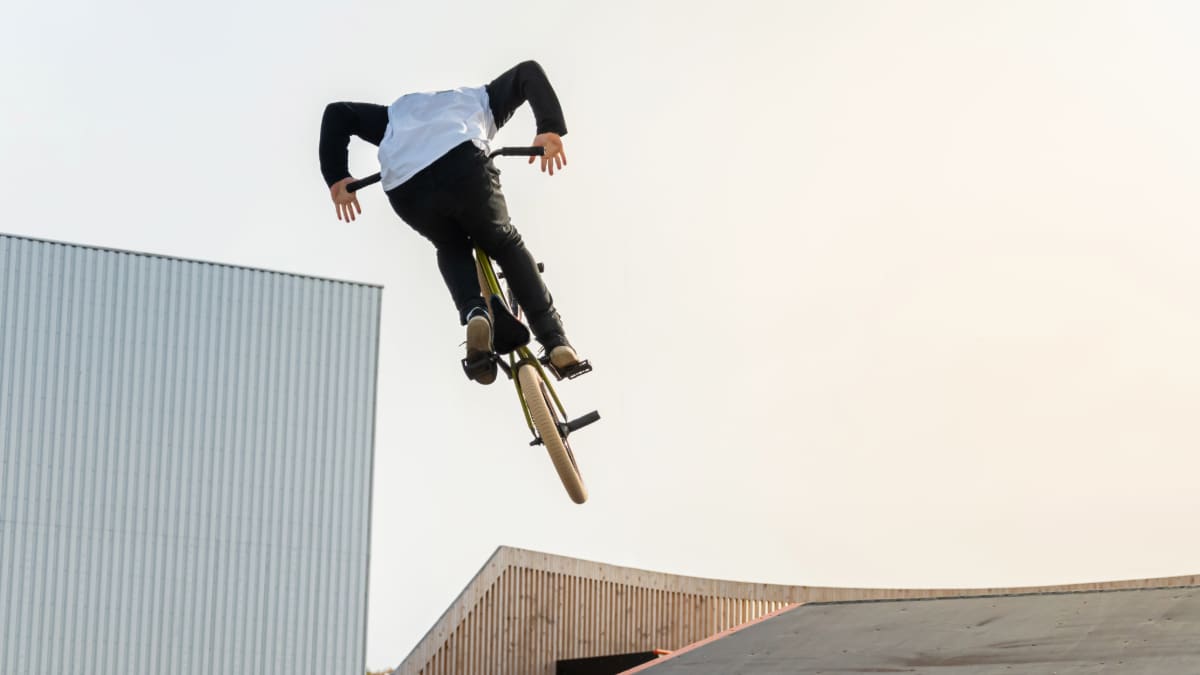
pixel 545 421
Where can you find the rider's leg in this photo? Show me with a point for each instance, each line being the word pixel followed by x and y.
pixel 423 208
pixel 485 217
pixel 459 196
pixel 456 262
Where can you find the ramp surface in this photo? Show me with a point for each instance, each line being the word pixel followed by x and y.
pixel 1148 632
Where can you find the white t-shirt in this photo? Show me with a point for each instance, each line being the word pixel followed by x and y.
pixel 423 127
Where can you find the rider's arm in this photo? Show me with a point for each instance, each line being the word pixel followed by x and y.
pixel 342 120
pixel 526 82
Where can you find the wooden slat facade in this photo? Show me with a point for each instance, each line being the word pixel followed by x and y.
pixel 526 610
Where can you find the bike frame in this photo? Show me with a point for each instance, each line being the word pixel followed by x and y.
pixel 521 355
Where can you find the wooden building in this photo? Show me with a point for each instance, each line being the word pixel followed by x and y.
pixel 525 611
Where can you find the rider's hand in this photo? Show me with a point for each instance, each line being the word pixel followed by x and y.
pixel 345 202
pixel 554 157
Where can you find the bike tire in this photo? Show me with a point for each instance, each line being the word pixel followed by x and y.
pixel 545 422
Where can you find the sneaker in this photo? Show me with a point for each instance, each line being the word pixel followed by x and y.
pixel 479 342
pixel 563 357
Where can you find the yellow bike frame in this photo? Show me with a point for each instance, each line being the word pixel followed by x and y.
pixel 522 354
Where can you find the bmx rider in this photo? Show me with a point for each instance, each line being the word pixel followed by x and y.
pixel 434 166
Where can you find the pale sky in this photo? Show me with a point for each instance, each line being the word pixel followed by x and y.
pixel 877 293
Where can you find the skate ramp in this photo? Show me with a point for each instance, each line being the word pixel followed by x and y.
pixel 1150 632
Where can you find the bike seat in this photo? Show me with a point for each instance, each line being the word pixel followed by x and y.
pixel 508 333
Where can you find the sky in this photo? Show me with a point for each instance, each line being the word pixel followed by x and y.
pixel 877 293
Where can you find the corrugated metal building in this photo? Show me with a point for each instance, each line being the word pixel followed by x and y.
pixel 185 465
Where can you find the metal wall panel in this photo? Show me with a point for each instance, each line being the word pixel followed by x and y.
pixel 185 465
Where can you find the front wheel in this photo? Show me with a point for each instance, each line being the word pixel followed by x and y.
pixel 545 422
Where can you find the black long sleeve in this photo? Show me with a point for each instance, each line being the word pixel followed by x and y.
pixel 342 120
pixel 526 82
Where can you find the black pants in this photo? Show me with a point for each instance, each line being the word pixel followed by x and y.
pixel 456 203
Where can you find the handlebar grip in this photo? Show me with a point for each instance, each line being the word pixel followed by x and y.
pixel 533 151
pixel 355 186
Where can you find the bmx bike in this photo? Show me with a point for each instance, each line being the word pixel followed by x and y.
pixel 543 410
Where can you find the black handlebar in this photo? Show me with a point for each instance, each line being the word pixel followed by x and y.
pixel 533 151
pixel 355 186
pixel 536 151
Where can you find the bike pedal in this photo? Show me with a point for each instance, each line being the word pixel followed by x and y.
pixel 581 422
pixel 565 428
pixel 568 373
pixel 481 368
